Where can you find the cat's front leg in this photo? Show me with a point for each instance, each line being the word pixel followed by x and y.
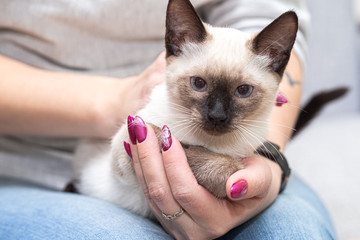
pixel 211 170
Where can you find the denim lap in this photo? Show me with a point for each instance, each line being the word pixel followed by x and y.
pixel 32 212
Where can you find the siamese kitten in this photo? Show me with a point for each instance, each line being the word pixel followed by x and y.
pixel 221 85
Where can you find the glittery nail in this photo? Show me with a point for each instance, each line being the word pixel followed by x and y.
pixel 127 149
pixel 166 140
pixel 280 100
pixel 140 129
pixel 239 188
pixel 131 129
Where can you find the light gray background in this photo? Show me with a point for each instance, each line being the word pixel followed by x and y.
pixel 326 154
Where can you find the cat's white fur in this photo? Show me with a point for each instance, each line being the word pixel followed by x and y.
pixel 226 49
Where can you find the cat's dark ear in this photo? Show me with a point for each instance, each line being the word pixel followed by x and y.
pixel 277 40
pixel 182 24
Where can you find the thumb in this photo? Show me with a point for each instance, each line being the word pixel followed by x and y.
pixel 252 181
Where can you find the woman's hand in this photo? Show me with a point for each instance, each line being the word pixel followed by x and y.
pixel 128 96
pixel 169 185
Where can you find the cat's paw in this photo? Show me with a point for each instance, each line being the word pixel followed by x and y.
pixel 212 170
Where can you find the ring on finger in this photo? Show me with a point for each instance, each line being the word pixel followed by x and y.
pixel 174 216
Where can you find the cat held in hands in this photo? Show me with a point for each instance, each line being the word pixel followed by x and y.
pixel 221 85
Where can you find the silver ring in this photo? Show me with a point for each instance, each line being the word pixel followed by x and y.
pixel 173 217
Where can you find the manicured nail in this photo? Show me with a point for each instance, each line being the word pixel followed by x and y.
pixel 280 100
pixel 127 149
pixel 140 129
pixel 239 188
pixel 131 129
pixel 165 138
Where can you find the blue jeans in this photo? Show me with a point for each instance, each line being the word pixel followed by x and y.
pixel 33 212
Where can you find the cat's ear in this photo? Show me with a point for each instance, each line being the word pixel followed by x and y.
pixel 277 40
pixel 182 25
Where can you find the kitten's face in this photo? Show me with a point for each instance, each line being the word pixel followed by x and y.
pixel 221 82
pixel 220 76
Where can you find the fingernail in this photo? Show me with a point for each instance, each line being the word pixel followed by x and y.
pixel 131 129
pixel 280 100
pixel 165 138
pixel 127 149
pixel 140 129
pixel 239 188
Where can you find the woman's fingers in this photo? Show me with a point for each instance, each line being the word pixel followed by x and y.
pixel 252 181
pixel 149 168
pixel 133 153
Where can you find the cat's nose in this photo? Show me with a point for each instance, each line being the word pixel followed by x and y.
pixel 217 115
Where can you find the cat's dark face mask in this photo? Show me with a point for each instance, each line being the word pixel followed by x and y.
pixel 218 103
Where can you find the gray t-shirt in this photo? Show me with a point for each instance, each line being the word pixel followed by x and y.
pixel 116 38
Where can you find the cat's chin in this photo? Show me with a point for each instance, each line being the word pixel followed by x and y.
pixel 216 131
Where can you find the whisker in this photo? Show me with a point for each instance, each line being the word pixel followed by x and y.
pixel 244 138
pixel 252 134
pixel 262 142
pixel 192 126
pixel 267 128
pixel 268 122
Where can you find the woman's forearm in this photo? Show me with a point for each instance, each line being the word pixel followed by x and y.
pixel 283 118
pixel 44 103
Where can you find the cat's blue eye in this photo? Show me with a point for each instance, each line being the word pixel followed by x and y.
pixel 198 84
pixel 244 91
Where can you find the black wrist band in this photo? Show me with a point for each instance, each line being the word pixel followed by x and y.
pixel 271 151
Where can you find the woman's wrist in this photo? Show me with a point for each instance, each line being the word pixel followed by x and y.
pixel 271 151
pixel 112 105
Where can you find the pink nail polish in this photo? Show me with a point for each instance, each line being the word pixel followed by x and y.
pixel 140 129
pixel 239 188
pixel 280 100
pixel 166 140
pixel 131 129
pixel 127 149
